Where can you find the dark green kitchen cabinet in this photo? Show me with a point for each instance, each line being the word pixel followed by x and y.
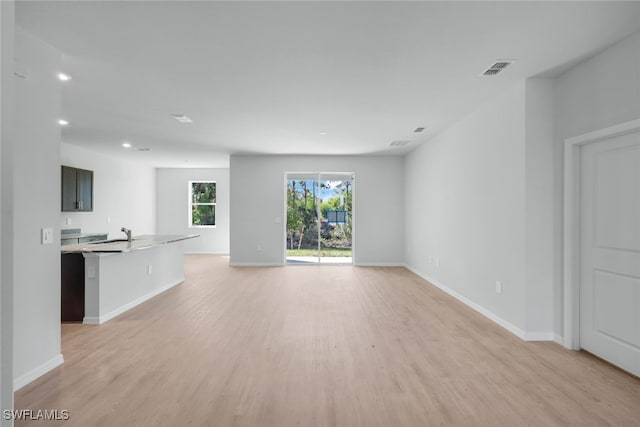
pixel 77 190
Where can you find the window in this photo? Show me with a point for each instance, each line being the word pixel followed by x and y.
pixel 202 204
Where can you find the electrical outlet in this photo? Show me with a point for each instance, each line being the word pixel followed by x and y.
pixel 430 260
pixel 91 272
pixel 498 287
pixel 437 262
pixel 149 270
pixel 108 220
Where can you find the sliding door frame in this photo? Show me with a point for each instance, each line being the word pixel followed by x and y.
pixel 317 178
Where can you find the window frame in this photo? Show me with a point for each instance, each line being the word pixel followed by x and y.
pixel 191 203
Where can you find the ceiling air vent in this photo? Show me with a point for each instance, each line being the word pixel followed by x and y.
pixel 144 149
pixel 399 143
pixel 498 67
pixel 419 129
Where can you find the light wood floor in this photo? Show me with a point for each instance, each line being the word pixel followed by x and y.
pixel 320 346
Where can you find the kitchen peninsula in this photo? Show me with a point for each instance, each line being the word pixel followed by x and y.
pixel 120 274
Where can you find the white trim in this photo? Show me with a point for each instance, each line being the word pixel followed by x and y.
pixel 380 264
pixel 606 133
pixel 488 314
pixel 571 224
pixel 37 372
pixel 92 320
pixel 256 264
pixel 559 339
pixel 539 336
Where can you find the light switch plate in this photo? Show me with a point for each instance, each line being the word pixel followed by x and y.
pixel 47 236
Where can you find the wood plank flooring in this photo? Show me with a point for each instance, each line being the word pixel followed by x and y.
pixel 320 346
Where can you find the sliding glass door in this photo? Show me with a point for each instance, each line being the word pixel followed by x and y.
pixel 319 218
pixel 336 243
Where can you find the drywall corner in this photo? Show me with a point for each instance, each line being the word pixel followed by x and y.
pixel 7 31
pixel 36 302
pixel 539 190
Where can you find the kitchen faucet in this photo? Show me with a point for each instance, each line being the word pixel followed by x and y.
pixel 127 232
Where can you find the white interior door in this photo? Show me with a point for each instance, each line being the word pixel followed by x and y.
pixel 610 250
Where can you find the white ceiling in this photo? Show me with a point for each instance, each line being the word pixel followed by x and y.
pixel 263 77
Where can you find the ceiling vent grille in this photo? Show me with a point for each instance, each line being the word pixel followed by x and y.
pixel 419 129
pixel 399 143
pixel 498 67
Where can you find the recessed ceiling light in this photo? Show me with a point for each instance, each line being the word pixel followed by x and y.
pixel 126 145
pixel 63 122
pixel 399 143
pixel 324 132
pixel 64 77
pixel 182 118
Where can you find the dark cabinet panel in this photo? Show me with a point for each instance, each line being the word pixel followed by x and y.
pixel 72 290
pixel 77 190
pixel 85 190
pixel 69 186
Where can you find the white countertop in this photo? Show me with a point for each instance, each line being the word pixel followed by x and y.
pixel 122 245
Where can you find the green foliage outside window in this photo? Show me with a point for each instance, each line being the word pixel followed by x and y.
pixel 203 192
pixel 203 204
pixel 303 198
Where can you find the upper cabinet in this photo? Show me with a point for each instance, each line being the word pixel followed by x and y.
pixel 77 190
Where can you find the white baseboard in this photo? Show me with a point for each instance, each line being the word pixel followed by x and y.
pixel 37 372
pixel 256 264
pixel 558 339
pixel 379 264
pixel 539 336
pixel 526 336
pixel 92 320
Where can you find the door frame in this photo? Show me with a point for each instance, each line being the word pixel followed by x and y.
pixel 571 264
pixel 353 214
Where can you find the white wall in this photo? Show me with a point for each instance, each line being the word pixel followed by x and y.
pixel 257 204
pixel 173 208
pixel 466 207
pixel 123 192
pixel 600 92
pixel 539 255
pixel 122 280
pixel 7 28
pixel 37 204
